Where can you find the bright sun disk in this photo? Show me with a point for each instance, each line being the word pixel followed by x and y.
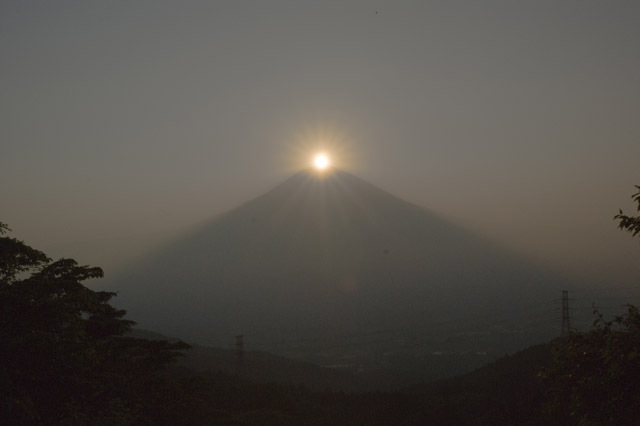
pixel 321 161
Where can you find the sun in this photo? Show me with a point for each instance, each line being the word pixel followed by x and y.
pixel 322 151
pixel 321 161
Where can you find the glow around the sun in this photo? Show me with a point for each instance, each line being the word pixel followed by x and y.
pixel 321 161
pixel 322 151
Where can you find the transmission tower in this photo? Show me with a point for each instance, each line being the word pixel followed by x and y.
pixel 566 326
pixel 239 354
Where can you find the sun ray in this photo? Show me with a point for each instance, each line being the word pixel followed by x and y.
pixel 306 147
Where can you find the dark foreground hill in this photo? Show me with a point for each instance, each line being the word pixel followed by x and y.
pixel 507 392
pixel 334 270
pixel 263 367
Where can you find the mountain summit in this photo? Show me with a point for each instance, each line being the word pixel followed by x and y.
pixel 321 255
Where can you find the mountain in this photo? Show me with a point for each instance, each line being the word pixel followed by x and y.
pixel 333 268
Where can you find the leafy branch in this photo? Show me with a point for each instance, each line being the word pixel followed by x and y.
pixel 630 223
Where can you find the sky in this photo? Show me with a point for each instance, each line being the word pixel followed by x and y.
pixel 123 124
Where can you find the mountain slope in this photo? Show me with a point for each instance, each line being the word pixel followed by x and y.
pixel 319 257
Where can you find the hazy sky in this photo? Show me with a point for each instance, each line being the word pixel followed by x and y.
pixel 125 123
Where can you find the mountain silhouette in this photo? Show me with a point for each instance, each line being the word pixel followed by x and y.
pixel 323 255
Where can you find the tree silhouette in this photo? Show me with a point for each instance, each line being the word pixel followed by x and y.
pixel 64 354
pixel 630 223
pixel 594 376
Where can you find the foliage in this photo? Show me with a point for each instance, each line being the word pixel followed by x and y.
pixel 16 257
pixel 64 354
pixel 594 377
pixel 630 223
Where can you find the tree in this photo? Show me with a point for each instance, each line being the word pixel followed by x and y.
pixel 594 376
pixel 630 223
pixel 65 357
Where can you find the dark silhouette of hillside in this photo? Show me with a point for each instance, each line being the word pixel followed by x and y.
pixel 320 258
pixel 263 367
pixel 507 392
